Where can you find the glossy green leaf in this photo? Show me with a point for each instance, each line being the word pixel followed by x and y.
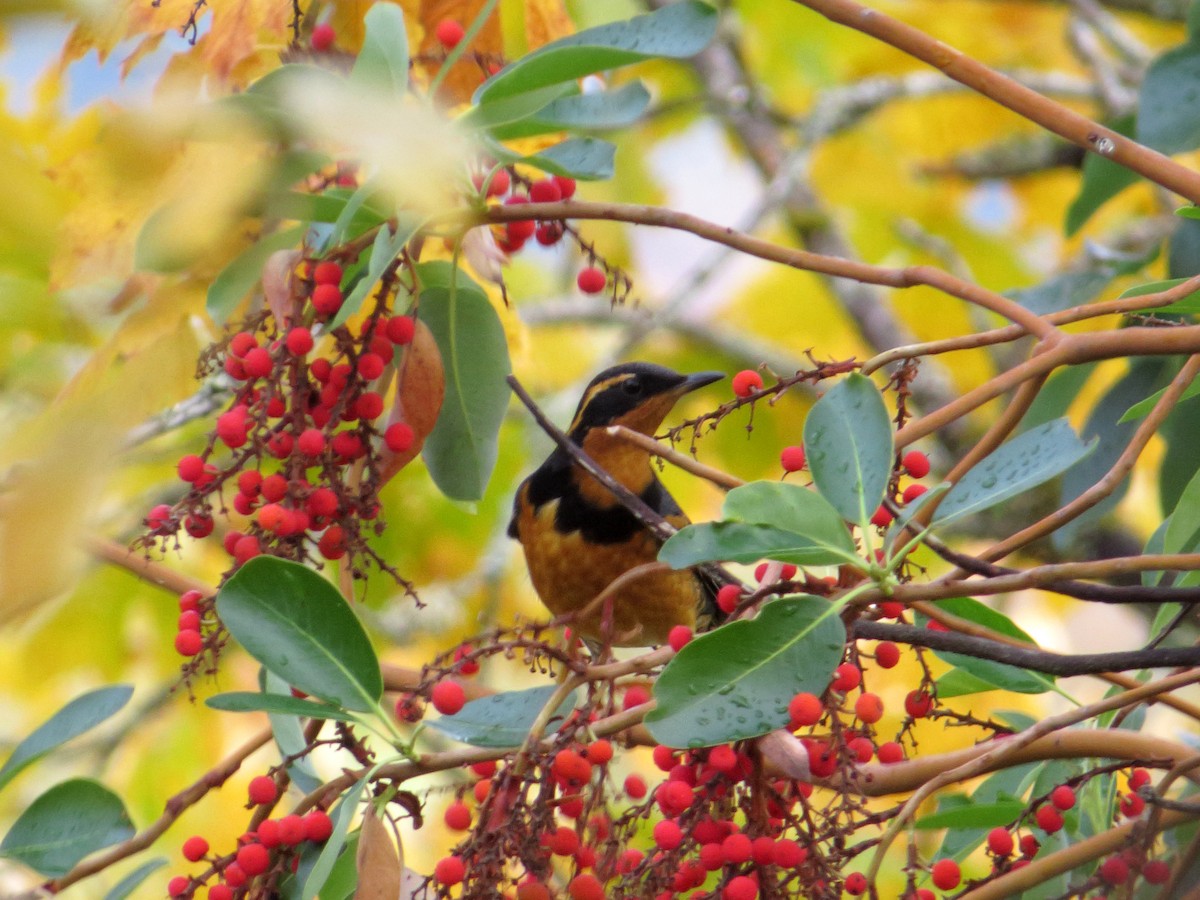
pixel 1002 786
pixel 286 704
pixel 1142 408
pixel 503 720
pixel 508 111
pixel 1185 306
pixel 1102 180
pixel 848 442
pixel 382 62
pixel 134 879
pixel 675 32
pixel 586 159
pixel 384 250
pixel 289 735
pixel 1029 459
pixel 742 543
pixel 461 451
pixel 974 815
pixel 241 276
pixel 1169 101
pixel 736 682
pixel 65 824
pixel 296 624
pixel 608 109
pixel 323 868
pixel 81 714
pixel 985 674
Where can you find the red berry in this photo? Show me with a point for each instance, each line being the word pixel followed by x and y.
pixel 1000 841
pixel 291 830
pixel 549 233
pixel 585 886
pixel 673 797
pixel 545 191
pixel 262 790
pixel 311 442
pixel 591 280
pixel 635 695
pixel 915 463
pixel 788 854
pixel 679 637
pixel 566 186
pixel 322 40
pixel 869 708
pixel 257 363
pixel 194 848
pixel 728 597
pixel 369 405
pixel 299 341
pixel 499 184
pixel 887 654
pixel 723 758
pixel 370 366
pixel 448 697
pixel 892 609
pixel 1138 778
pixel 946 874
pixel 855 884
pixel 912 492
pixel 458 816
pixel 1029 846
pixel 246 549
pixel 1156 872
pixel 327 299
pixel 891 752
pixel 792 458
pixel 1063 797
pixel 667 835
pixel 449 32
pixel 563 841
pixel 254 859
pixel 189 600
pixel 918 704
pixel 318 827
pixel 159 518
pixel 635 786
pixel 846 677
pixel 571 768
pixel 740 887
pixel 233 875
pixel 327 271
pixel 1114 870
pixel 333 543
pixel 1131 806
pixel 400 329
pixel 220 892
pixel 191 468
pixel 806 709
pixel 242 343
pixel 861 747
pixel 882 517
pixel 737 848
pixel 399 437
pixel 189 620
pixel 188 643
pixel 449 870
pixel 599 752
pixel 198 526
pixel 178 886
pixel 532 890
pixel 1048 819
pixel 746 382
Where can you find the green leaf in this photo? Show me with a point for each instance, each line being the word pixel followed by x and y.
pixel 974 815
pixel 65 824
pixel 985 674
pixel 1183 532
pixel 1029 459
pixel 133 880
pixel 383 60
pixel 460 452
pixel 493 116
pixel 1169 101
pixel 331 206
pixel 742 543
pixel 1142 408
pixel 296 624
pixel 609 109
pixel 848 442
pixel 384 250
pixel 503 720
pixel 286 704
pixel 81 714
pixel 1111 434
pixel 1061 391
pixel 241 276
pixel 736 682
pixel 1064 291
pixel 1102 180
pixel 766 520
pixel 675 32
pixel 324 866
pixel 289 736
pixel 1184 306
pixel 587 159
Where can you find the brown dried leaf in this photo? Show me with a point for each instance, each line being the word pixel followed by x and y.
pixel 785 751
pixel 279 285
pixel 378 863
pixel 420 389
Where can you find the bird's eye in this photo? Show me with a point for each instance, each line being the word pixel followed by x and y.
pixel 631 386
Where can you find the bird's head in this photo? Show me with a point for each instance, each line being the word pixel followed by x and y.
pixel 637 395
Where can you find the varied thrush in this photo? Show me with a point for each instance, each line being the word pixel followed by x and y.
pixel 578 537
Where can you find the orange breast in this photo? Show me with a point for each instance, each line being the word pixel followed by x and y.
pixel 568 574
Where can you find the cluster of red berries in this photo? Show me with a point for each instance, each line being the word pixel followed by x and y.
pixel 292 433
pixel 189 640
pixel 270 847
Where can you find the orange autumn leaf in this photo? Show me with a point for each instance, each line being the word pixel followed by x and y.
pixel 420 389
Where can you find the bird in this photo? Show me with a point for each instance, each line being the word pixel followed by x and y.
pixel 577 537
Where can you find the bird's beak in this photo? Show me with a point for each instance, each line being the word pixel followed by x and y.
pixel 699 380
